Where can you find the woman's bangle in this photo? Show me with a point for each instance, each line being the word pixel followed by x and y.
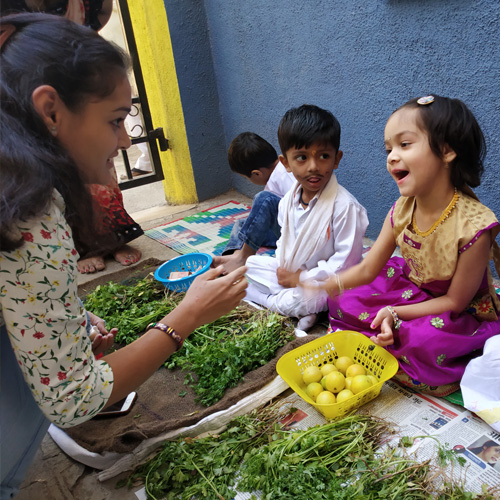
pixel 396 322
pixel 169 331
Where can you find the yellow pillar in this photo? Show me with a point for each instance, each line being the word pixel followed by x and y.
pixel 152 37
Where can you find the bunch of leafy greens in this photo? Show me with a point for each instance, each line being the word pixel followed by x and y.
pixel 339 460
pixel 219 354
pixel 131 307
pixel 214 357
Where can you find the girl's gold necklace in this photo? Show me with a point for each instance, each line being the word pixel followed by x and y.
pixel 442 218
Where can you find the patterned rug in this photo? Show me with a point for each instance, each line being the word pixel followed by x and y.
pixel 207 231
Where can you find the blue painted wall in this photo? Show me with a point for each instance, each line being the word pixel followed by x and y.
pixel 359 58
pixel 200 102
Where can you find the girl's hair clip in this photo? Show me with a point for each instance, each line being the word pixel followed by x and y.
pixel 5 32
pixel 423 101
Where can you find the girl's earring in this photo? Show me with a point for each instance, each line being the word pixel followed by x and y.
pixel 53 130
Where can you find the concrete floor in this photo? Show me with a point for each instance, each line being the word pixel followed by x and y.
pixel 53 475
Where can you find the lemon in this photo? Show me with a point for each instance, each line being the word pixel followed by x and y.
pixel 313 389
pixel 335 382
pixel 311 374
pixel 328 368
pixel 348 382
pixel 325 398
pixel 360 383
pixel 354 370
pixel 344 395
pixel 323 382
pixel 343 363
pixel 374 380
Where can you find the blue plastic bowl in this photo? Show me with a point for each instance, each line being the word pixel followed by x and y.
pixel 196 263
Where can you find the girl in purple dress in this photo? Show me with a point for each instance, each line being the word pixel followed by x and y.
pixel 435 307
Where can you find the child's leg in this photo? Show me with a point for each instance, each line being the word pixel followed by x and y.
pixel 297 303
pixel 235 242
pixel 259 229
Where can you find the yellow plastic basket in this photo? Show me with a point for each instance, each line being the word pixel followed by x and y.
pixel 327 349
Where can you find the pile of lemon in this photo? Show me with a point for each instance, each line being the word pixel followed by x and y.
pixel 336 382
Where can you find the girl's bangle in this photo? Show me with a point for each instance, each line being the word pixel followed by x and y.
pixel 169 331
pixel 396 322
pixel 340 284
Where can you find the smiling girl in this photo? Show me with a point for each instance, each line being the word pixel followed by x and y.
pixel 435 307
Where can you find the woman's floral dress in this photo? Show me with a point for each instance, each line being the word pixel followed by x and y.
pixel 46 324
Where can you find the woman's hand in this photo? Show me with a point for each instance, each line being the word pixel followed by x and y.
pixel 208 298
pixel 212 295
pixel 385 320
pixel 288 279
pixel 101 339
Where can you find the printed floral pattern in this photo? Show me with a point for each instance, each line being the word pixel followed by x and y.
pixel 437 322
pixel 404 359
pixel 40 307
pixel 423 340
pixel 440 359
pixel 407 294
pixel 363 316
pixel 483 308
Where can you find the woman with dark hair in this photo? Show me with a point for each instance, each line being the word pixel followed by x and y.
pixel 64 96
pixel 113 225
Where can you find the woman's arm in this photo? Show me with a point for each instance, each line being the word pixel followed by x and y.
pixel 47 324
pixel 208 298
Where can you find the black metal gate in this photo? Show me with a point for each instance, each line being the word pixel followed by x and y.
pixel 141 127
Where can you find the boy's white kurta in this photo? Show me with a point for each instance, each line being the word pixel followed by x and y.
pixel 336 220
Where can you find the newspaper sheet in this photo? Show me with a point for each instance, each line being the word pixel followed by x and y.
pixel 419 415
pixel 454 427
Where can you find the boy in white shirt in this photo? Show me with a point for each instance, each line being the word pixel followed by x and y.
pixel 253 157
pixel 322 224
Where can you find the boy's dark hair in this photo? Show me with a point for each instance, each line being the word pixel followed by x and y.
pixel 249 151
pixel 79 64
pixel 307 124
pixel 450 121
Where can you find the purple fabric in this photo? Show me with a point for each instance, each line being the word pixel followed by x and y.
pixel 433 350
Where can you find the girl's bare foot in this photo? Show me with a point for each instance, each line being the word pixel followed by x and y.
pixel 127 255
pixel 91 265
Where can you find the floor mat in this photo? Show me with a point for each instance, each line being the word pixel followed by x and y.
pixel 207 231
